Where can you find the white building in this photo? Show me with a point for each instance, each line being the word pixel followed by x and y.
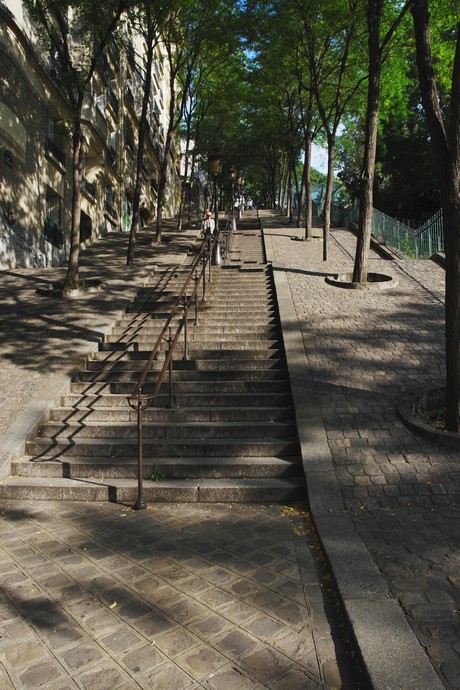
pixel 36 152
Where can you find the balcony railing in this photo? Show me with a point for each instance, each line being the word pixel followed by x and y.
pixel 129 143
pixel 101 123
pixel 113 101
pixel 110 209
pixel 103 66
pixel 88 187
pixel 112 156
pixel 129 95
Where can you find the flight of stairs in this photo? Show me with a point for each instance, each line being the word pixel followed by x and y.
pixel 230 436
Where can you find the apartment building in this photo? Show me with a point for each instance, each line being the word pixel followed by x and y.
pixel 36 147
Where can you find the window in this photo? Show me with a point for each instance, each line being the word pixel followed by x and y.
pixel 110 201
pixel 54 144
pixel 100 102
pixel 52 228
pixel 53 207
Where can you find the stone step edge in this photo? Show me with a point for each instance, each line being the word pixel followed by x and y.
pixel 204 490
pixel 167 468
pixel 72 426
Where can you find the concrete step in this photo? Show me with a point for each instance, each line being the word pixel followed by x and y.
pixel 204 329
pixel 72 429
pixel 177 415
pixel 229 433
pixel 63 446
pixel 169 468
pixel 102 361
pixel 206 316
pixel 236 341
pixel 100 395
pixel 200 387
pixel 198 333
pixel 274 352
pixel 115 375
pixel 167 491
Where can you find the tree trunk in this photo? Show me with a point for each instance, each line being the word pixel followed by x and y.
pixel 140 144
pixel 446 151
pixel 302 191
pixel 374 15
pixel 451 223
pixel 281 189
pixel 308 191
pixel 78 151
pixel 289 192
pixel 161 195
pixel 328 198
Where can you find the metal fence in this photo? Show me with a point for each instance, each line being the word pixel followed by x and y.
pixel 420 243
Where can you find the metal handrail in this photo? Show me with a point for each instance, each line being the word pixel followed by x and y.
pixel 140 401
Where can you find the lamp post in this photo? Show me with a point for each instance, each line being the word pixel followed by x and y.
pixel 215 162
pixel 233 176
pixel 240 183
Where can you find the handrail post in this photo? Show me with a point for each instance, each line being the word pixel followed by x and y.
pixel 203 299
pixel 185 302
pixel 170 371
pixel 195 292
pixel 210 248
pixel 140 503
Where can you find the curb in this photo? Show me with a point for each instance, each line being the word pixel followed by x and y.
pixel 391 653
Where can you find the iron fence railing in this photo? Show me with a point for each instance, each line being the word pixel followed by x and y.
pixel 429 237
pixel 200 272
pixel 420 243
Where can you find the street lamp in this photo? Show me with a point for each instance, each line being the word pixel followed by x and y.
pixel 215 163
pixel 240 183
pixel 233 176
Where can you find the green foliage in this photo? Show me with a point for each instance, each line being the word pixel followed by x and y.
pixel 157 476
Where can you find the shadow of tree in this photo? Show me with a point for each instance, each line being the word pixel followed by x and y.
pixel 200 573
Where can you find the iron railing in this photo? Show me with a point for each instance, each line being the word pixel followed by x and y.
pixel 420 243
pixel 139 401
pixel 429 237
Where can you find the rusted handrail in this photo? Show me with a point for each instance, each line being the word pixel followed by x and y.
pixel 139 401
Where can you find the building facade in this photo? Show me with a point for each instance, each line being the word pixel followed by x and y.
pixel 36 146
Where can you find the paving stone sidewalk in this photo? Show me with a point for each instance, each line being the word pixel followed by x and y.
pixel 43 339
pixel 98 596
pixel 365 350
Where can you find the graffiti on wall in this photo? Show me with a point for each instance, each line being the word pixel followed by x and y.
pixel 20 247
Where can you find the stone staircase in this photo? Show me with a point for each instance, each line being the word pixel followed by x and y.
pixel 231 435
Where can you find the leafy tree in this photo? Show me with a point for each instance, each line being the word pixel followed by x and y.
pixel 333 32
pixel 146 21
pixel 376 47
pixel 191 29
pixel 219 58
pixel 76 34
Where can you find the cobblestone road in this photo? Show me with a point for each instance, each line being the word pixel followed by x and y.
pixel 366 349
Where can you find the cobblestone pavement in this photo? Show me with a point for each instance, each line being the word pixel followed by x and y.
pixel 365 350
pixel 98 596
pixel 41 337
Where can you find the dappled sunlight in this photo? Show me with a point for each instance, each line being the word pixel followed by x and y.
pixel 230 585
pixel 365 350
